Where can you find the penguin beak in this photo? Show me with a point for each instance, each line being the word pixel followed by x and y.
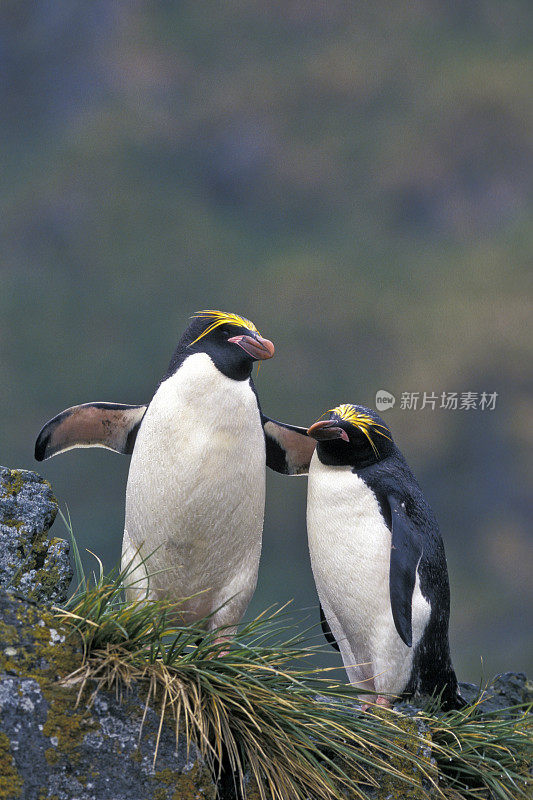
pixel 327 429
pixel 257 348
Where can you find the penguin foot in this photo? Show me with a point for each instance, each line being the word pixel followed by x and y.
pixel 222 640
pixel 384 702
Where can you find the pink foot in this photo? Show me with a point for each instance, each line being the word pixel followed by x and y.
pixel 383 701
pixel 222 640
pixel 379 701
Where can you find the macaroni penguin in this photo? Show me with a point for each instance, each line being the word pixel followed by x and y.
pixel 195 494
pixel 378 560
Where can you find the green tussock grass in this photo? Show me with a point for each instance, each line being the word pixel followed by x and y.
pixel 260 706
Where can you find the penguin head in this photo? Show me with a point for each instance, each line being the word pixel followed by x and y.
pixel 232 342
pixel 352 435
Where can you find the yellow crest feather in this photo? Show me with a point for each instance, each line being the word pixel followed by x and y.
pixel 362 421
pixel 219 318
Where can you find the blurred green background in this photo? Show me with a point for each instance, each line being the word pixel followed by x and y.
pixel 353 177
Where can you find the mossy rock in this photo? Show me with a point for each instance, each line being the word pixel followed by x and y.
pixel 56 744
pixel 32 565
pixel 413 737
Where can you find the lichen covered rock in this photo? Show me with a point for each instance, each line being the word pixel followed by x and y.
pixel 412 736
pixel 31 565
pixel 54 744
pixel 507 689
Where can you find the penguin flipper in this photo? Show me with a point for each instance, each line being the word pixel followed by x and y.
pixel 288 447
pixel 406 552
pixel 110 425
pixel 326 630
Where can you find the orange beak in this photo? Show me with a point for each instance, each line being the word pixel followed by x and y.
pixel 258 348
pixel 327 429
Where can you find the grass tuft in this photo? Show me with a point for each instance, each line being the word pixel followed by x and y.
pixel 485 754
pixel 261 707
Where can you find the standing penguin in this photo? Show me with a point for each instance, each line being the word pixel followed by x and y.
pixel 378 560
pixel 196 486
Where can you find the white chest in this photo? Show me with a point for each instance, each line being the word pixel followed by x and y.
pixel 350 547
pixel 196 486
pixel 348 539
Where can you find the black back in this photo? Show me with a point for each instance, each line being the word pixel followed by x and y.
pixel 432 671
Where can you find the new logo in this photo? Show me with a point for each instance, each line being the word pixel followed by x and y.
pixel 384 400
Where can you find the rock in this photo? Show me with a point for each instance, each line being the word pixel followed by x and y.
pixel 50 746
pixel 507 689
pixel 414 736
pixel 31 565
